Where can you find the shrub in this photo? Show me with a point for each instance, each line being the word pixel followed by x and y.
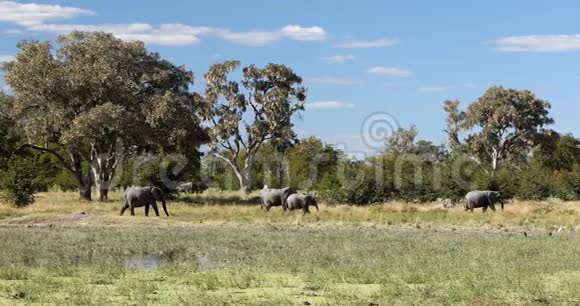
pixel 17 182
pixel 534 183
pixel 566 184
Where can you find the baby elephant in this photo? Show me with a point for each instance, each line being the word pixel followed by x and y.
pixel 301 201
pixel 476 199
pixel 143 196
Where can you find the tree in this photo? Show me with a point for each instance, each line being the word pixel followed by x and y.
pixel 17 169
pixel 559 152
pixel 401 141
pixel 454 123
pixel 310 160
pixel 8 141
pixel 503 123
pixel 247 113
pixel 96 97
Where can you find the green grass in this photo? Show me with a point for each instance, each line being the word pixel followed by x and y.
pixel 245 264
pixel 236 254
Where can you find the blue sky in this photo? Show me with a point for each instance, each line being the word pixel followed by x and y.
pixel 356 57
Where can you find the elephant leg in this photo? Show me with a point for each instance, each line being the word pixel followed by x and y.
pixel 147 210
pixel 123 209
pixel 484 208
pixel 132 210
pixel 155 209
pixel 492 206
pixel 305 209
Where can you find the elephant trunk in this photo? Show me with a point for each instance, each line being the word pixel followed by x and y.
pixel 501 202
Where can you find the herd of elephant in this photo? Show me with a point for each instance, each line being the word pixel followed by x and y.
pixel 287 197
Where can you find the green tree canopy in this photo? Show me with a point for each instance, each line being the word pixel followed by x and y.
pixel 245 114
pixel 94 98
pixel 502 124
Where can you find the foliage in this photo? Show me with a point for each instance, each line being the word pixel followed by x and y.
pixel 16 185
pixel 310 160
pixel 401 140
pixel 96 97
pixel 247 113
pixel 503 123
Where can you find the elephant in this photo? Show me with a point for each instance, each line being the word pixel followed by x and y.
pixel 301 201
pixel 275 197
pixel 144 196
pixel 487 198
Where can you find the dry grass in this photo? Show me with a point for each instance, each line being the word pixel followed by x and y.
pixel 233 208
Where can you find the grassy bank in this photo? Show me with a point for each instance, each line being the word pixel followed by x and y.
pixel 56 208
pixel 220 249
pixel 245 264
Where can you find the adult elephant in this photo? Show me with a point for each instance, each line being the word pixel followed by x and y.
pixel 144 196
pixel 485 199
pixel 301 201
pixel 275 197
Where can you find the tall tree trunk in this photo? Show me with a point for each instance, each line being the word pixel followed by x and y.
pixel 103 179
pixel 85 186
pixel 103 168
pixel 85 193
pixel 246 179
pixel 495 156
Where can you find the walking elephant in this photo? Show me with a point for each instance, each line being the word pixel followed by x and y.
pixel 301 201
pixel 275 197
pixel 485 199
pixel 144 196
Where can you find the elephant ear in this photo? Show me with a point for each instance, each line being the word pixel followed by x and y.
pixel 157 193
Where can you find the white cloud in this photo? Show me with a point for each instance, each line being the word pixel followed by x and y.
pixel 379 43
pixel 169 34
pixel 35 17
pixel 262 38
pixel 297 32
pixel 251 38
pixel 331 80
pixel 6 58
pixel 538 43
pixel 434 89
pixel 32 13
pixel 392 71
pixel 337 58
pixel 176 34
pixel 328 105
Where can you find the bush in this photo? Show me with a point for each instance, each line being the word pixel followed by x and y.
pixel 17 183
pixel 566 184
pixel 355 185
